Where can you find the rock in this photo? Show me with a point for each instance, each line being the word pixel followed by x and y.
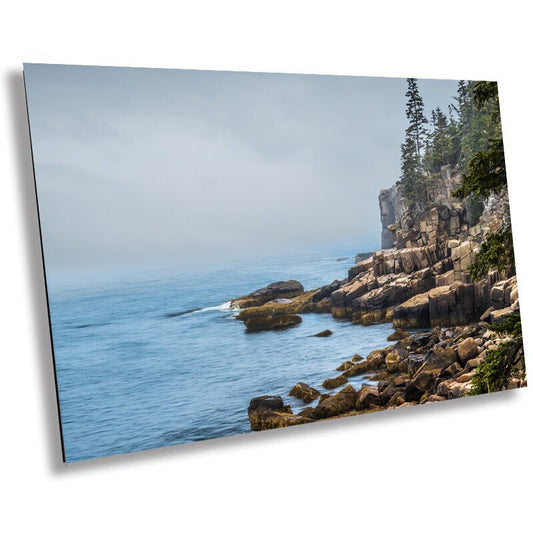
pixel 467 349
pixel 440 357
pixel 435 398
pixel 326 291
pixel 333 383
pixel 323 397
pixel 337 404
pixel 398 334
pixel 345 366
pixel 272 403
pixel 485 317
pixel 357 369
pixel 473 363
pixel 269 412
pixel 304 392
pixel 279 289
pixel 414 362
pixel 397 399
pixel 413 393
pixel 499 314
pixel 376 359
pixel 464 378
pixel 269 322
pixel 450 371
pixel 357 358
pixel 392 361
pixel 368 397
pixel 325 333
pixel 414 313
pixel 261 420
pixel 424 380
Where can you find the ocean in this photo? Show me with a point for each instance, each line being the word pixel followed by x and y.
pixel 160 359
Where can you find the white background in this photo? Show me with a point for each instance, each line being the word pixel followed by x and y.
pixel 461 466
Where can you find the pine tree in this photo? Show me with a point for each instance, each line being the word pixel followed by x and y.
pixel 413 177
pixel 415 113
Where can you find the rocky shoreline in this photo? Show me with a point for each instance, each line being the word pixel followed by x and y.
pixel 421 368
pixel 419 280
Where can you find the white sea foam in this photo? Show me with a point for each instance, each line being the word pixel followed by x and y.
pixel 225 306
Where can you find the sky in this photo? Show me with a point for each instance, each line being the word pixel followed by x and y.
pixel 144 168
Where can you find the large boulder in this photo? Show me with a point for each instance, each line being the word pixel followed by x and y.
pixel 337 404
pixel 279 289
pixel 304 392
pixel 467 349
pixel 268 322
pixel 269 412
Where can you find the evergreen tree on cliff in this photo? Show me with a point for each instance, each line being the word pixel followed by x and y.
pixel 486 176
pixel 413 176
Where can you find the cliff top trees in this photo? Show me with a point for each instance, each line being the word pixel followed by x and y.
pixel 486 175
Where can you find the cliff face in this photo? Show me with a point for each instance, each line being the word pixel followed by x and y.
pixel 421 277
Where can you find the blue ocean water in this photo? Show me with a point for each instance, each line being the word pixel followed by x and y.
pixel 135 373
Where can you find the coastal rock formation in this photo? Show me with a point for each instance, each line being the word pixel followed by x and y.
pixel 277 290
pixel 424 368
pixel 267 322
pixel 420 279
pixel 423 252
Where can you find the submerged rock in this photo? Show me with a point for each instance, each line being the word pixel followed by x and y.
pixel 325 333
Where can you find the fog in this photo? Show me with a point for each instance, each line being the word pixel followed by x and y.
pixel 153 167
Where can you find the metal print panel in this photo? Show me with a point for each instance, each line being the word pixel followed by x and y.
pixel 228 252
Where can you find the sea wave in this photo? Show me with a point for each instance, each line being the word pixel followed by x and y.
pixel 224 306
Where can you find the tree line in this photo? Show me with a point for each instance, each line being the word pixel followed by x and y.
pixel 468 137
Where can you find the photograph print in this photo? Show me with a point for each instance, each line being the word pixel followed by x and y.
pixel 229 252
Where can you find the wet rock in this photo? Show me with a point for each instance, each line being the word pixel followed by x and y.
pixel 398 334
pixel 265 323
pixel 272 403
pixel 337 404
pixel 304 392
pixel 356 358
pixel 323 396
pixel 333 383
pixel 345 366
pixel 357 369
pixel 325 333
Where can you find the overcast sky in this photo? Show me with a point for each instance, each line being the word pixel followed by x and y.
pixel 156 167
